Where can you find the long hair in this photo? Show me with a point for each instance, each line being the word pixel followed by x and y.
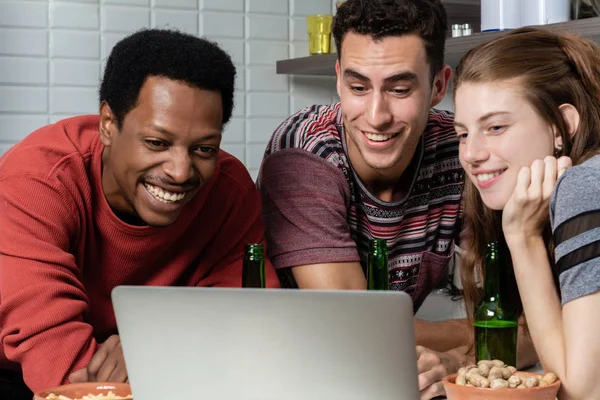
pixel 552 69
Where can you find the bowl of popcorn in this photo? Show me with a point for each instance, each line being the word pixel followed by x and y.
pixel 492 379
pixel 87 391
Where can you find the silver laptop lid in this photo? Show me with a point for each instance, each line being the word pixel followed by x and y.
pixel 252 344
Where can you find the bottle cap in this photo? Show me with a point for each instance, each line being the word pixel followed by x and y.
pixel 467 29
pixel 456 30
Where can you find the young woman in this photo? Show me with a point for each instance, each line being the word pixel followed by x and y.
pixel 527 105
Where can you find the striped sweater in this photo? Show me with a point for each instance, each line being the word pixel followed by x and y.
pixel 317 210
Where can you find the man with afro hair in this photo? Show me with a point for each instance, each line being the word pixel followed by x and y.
pixel 140 194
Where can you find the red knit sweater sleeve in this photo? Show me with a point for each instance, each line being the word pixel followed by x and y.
pixel 244 225
pixel 42 297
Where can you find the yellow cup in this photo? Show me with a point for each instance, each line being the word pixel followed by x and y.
pixel 319 33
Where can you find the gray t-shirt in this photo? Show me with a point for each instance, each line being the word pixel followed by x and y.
pixel 575 220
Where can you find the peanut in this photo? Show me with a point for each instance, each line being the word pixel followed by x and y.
pixel 514 381
pixel 505 373
pixel 495 374
pixel 498 384
pixel 531 381
pixel 550 378
pixel 474 371
pixel 479 381
pixel 485 369
pixel 491 363
pixel 461 380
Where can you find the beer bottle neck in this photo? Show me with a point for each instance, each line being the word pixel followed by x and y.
pixel 254 252
pixel 493 274
pixel 492 283
pixel 377 268
pixel 253 268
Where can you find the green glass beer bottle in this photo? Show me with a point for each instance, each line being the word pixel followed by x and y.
pixel 496 319
pixel 253 268
pixel 377 266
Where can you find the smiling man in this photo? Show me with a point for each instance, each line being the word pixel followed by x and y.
pixel 139 195
pixel 380 164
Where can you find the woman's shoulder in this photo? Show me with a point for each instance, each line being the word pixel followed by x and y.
pixel 576 192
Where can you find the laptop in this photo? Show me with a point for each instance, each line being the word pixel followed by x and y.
pixel 266 344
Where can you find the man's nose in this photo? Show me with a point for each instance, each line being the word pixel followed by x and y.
pixel 179 167
pixel 378 113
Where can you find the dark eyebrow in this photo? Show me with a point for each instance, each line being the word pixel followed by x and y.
pixel 171 135
pixel 161 130
pixel 350 73
pixel 403 76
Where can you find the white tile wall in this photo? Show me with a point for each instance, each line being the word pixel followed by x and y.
pixel 125 2
pixel 183 20
pixel 24 42
pixel 74 44
pixel 23 71
pixel 15 100
pixel 74 73
pixel 124 19
pixel 272 28
pixel 52 53
pixel 27 15
pixel 186 4
pixel 223 5
pixel 220 24
pixel 76 16
pixel 65 100
pixel 267 7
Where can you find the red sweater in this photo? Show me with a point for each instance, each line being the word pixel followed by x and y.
pixel 62 250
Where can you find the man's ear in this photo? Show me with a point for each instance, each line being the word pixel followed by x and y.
pixel 338 83
pixel 440 85
pixel 108 124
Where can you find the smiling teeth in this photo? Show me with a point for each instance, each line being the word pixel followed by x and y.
pixel 164 196
pixel 375 137
pixel 488 176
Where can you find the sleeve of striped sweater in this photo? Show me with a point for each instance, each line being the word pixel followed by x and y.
pixel 42 298
pixel 575 217
pixel 305 209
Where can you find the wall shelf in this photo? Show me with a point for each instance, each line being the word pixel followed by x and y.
pixel 588 28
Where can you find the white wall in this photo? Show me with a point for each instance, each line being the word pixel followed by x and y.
pixel 52 54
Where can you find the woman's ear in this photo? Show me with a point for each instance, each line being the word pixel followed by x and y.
pixel 571 117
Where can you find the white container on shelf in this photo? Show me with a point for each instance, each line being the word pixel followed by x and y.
pixel 541 12
pixel 498 15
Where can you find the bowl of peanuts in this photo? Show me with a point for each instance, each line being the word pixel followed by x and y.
pixel 86 391
pixel 492 379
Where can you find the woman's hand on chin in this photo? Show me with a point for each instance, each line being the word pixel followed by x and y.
pixel 527 211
